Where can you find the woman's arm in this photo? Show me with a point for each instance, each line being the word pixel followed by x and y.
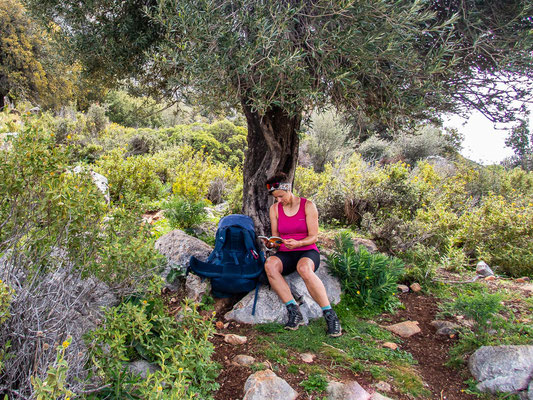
pixel 311 218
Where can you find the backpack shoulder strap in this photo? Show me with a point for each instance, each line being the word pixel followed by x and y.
pixel 220 239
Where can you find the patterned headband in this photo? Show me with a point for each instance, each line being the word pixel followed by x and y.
pixel 278 186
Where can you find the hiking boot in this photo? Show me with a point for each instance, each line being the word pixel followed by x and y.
pixel 334 325
pixel 295 317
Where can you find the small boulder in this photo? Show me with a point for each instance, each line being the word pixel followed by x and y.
pixel 243 360
pixel 378 396
pixel 142 368
pixel 482 269
pixel 195 287
pixel 390 345
pixel 445 328
pixel 502 368
pixel 235 339
pixel 383 386
pixel 404 329
pixel 415 287
pixel 369 244
pixel 307 357
pixel 403 288
pixel 346 391
pixel 266 385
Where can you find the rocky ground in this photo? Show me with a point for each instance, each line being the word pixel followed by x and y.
pixel 429 349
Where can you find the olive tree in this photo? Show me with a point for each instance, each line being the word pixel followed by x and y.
pixel 382 61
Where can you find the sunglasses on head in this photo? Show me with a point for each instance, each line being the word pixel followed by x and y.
pixel 273 186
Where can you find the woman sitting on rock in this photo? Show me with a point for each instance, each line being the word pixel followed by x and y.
pixel 295 220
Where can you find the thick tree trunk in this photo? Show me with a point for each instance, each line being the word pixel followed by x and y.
pixel 272 148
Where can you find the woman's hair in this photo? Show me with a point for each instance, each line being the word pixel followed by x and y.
pixel 279 177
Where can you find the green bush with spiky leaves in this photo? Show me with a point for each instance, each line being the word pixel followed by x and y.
pixel 369 280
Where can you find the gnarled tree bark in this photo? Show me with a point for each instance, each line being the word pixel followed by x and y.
pixel 272 148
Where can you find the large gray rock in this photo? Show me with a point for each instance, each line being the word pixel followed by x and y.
pixel 502 368
pixel 346 391
pixel 178 247
pixel 266 385
pixel 482 269
pixel 270 308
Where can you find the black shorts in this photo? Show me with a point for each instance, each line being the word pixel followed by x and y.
pixel 290 259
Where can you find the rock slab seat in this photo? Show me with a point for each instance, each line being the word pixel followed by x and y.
pixel 270 308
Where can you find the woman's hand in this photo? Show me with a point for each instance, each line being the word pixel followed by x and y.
pixel 292 243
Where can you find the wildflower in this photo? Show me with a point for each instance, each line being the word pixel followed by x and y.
pixel 159 388
pixel 144 302
pixel 68 136
pixel 180 370
pixel 358 292
pixel 214 313
pixel 65 344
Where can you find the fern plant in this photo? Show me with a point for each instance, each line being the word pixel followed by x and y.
pixel 369 281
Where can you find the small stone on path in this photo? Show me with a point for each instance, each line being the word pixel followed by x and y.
pixel 390 345
pixel 528 287
pixel 266 385
pixel 415 287
pixel 378 396
pixel 445 328
pixel 490 278
pixel 403 288
pixel 235 339
pixel 404 329
pixel 346 391
pixel 307 357
pixel 383 386
pixel 243 360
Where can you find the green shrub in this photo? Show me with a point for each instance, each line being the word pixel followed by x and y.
pixel 96 119
pixel 124 252
pixel 132 111
pixel 368 280
pixel 315 383
pixel 131 180
pixel 183 213
pixel 194 174
pixel 482 307
pixel 499 232
pixel 141 329
pixel 57 206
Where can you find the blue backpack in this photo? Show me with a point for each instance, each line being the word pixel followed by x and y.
pixel 235 266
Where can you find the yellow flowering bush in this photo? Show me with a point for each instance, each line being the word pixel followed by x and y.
pixel 131 180
pixel 499 232
pixel 194 174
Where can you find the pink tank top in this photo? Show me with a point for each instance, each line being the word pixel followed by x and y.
pixel 294 227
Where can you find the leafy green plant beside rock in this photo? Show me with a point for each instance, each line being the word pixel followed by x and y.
pixel 369 281
pixel 179 352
